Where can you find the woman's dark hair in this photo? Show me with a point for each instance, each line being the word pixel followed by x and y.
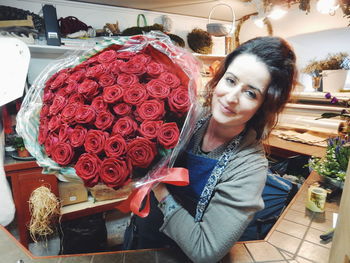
pixel 279 58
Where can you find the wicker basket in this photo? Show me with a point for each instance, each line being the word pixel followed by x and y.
pixel 218 29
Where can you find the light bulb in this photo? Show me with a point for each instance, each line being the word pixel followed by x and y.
pixel 259 21
pixel 277 12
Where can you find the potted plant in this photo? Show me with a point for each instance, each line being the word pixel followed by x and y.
pixel 334 164
pixel 18 144
pixel 330 70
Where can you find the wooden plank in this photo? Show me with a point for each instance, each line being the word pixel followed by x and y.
pixel 11 23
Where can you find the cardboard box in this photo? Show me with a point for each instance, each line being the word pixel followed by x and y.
pixel 72 193
pixel 101 192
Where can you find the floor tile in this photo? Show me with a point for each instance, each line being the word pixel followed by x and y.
pixel 238 254
pixel 284 241
pixel 53 259
pixel 298 206
pixel 314 252
pixel 170 256
pixel 300 260
pixel 298 217
pixel 110 257
pixel 148 256
pixel 263 251
pixel 313 235
pixel 323 226
pixel 291 228
pixel 287 255
pixel 75 259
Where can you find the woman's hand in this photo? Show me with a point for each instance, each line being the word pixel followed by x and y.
pixel 160 191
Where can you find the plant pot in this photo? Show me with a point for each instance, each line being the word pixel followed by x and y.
pixel 333 80
pixel 23 153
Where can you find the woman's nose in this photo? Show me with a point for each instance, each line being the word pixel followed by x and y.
pixel 233 95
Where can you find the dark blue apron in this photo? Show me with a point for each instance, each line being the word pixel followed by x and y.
pixel 147 229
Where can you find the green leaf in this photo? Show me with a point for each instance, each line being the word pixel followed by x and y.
pixel 328 115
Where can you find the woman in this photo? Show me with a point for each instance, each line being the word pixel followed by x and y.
pixel 225 157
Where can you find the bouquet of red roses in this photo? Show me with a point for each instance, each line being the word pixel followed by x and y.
pixel 118 113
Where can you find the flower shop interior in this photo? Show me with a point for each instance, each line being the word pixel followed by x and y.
pixel 309 147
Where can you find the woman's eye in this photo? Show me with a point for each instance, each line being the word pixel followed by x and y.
pixel 251 94
pixel 230 80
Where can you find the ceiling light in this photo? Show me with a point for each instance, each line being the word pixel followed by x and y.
pixel 259 21
pixel 277 12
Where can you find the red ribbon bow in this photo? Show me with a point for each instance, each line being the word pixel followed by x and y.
pixel 175 176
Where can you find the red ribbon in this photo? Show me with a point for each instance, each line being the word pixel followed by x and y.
pixel 175 176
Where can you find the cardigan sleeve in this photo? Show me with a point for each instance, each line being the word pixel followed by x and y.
pixel 237 197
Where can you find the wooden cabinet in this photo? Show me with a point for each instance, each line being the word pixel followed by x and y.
pixel 25 179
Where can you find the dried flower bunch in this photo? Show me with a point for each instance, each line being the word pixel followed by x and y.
pixel 333 61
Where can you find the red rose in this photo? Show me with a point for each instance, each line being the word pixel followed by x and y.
pixel 54 123
pixel 136 94
pixel 141 152
pixel 169 78
pixel 95 141
pixel 77 136
pixel 48 97
pixel 85 114
pixel 168 135
pixel 88 168
pixel 44 111
pixel 178 101
pixel 43 131
pixel 132 67
pixel 114 172
pixel 125 54
pixel 95 71
pixel 88 88
pixel 76 76
pixel 115 146
pixel 124 126
pixel 76 98
pixel 113 67
pixel 149 129
pixel 71 88
pixel 154 69
pixel 106 79
pixel 64 133
pixel 104 120
pixel 57 105
pixel 122 109
pixel 126 80
pixel 157 89
pixel 59 81
pixel 107 56
pixel 99 104
pixel 62 153
pixel 112 94
pixel 68 113
pixel 151 110
pixel 62 92
pixel 50 143
pixel 141 59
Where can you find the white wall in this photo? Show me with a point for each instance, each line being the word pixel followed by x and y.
pixel 312 35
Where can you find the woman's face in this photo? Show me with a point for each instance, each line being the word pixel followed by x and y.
pixel 241 91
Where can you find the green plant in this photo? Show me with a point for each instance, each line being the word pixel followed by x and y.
pixel 335 162
pixel 18 143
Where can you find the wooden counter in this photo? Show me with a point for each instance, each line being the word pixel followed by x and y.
pixel 294 238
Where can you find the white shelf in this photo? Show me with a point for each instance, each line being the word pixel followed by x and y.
pixel 52 49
